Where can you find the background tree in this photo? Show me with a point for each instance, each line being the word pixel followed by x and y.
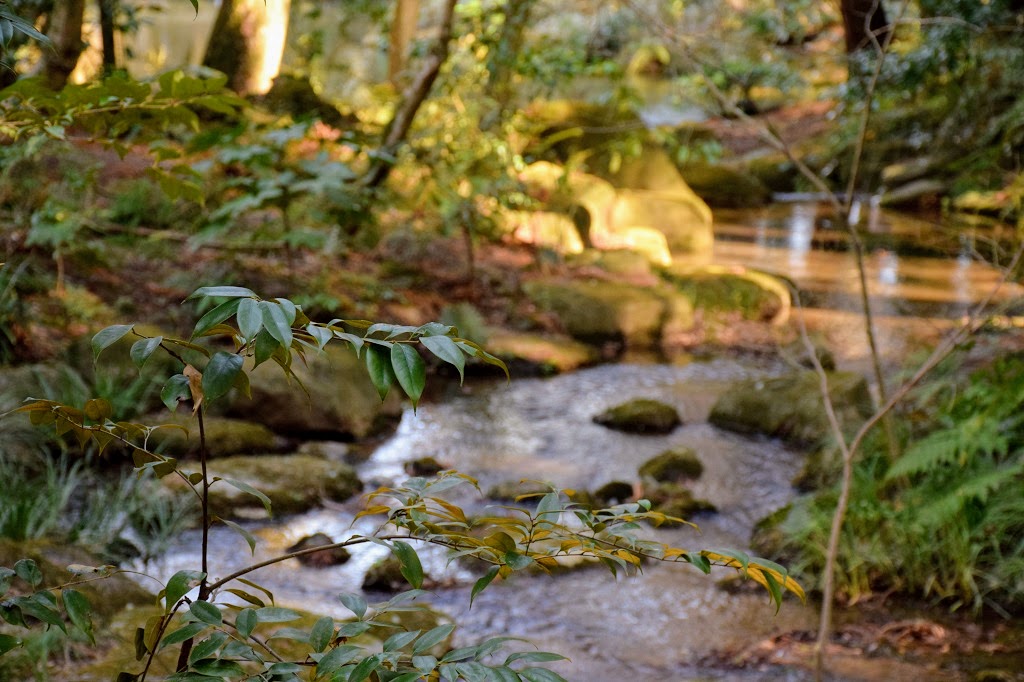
pixel 248 43
pixel 403 31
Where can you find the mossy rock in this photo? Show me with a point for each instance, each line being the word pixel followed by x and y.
pixel 335 556
pixel 774 171
pixel 424 466
pixel 768 538
pixel 528 353
pixel 224 436
pixel 386 576
pixel 107 596
pixel 821 468
pixel 339 399
pixel 624 315
pixel 673 466
pixel 640 416
pixel 293 483
pixel 723 186
pixel 790 407
pixel 752 294
pixel 614 492
pixel 673 499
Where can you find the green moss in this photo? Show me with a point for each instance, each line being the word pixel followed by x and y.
pixel 640 416
pixel 789 407
pixel 224 436
pixel 725 187
pixel 676 500
pixel 675 465
pixel 294 483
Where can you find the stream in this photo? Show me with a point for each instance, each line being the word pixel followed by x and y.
pixel 662 624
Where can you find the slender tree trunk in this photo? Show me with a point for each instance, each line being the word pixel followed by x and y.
pixel 248 42
pixel 108 9
pixel 864 23
pixel 501 64
pixel 413 97
pixel 403 30
pixel 66 33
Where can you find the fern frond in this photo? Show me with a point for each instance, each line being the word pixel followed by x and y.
pixel 935 449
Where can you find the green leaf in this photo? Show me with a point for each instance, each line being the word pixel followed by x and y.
pixel 276 614
pixel 365 667
pixel 476 351
pixel 220 374
pixel 336 658
pixel 321 634
pixel 445 349
pixel 354 603
pixel 143 349
pixel 221 291
pixel 409 370
pixel 378 365
pixel 740 557
pixel 534 657
pixel 275 320
pixel 321 334
pixel 700 561
pixel 28 570
pixel 250 318
pixel 8 643
pixel 105 338
pixel 246 535
pixel 183 633
pixel 540 675
pixel 246 622
pixel 219 668
pixel 411 567
pixel 481 584
pixel 180 584
pixel 6 575
pixel 434 636
pixel 175 390
pixel 206 612
pixel 265 345
pixel 517 561
pixel 207 647
pixel 216 316
pixel 79 612
pixel 246 488
pixel 39 607
pixel 400 640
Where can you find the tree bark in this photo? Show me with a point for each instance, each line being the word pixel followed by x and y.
pixel 108 9
pixel 66 33
pixel 248 42
pixel 403 30
pixel 412 99
pixel 864 24
pixel 501 64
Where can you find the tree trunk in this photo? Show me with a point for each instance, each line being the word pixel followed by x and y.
pixel 412 99
pixel 403 30
pixel 66 34
pixel 501 64
pixel 108 9
pixel 864 23
pixel 248 42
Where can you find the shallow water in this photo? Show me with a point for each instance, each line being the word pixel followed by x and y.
pixel 662 624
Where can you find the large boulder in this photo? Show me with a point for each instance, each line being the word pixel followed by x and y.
pixel 724 186
pixel 527 353
pixel 293 483
pixel 338 401
pixel 640 415
pixel 790 406
pixel 224 436
pixel 601 312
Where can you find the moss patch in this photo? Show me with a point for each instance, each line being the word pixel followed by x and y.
pixel 641 416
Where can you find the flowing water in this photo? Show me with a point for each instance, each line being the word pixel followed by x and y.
pixel 659 625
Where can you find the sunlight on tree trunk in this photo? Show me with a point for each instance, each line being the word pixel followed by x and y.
pixel 403 30
pixel 248 43
pixel 66 33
